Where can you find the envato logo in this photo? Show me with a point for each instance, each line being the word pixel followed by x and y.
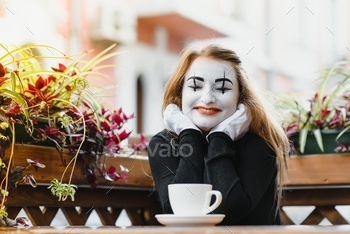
pixel 167 150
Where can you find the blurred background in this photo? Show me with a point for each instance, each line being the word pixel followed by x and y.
pixel 284 45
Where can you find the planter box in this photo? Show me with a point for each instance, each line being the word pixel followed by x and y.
pixel 139 170
pixel 328 139
pixel 315 169
pixel 323 169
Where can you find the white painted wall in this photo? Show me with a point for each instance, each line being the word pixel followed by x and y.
pixel 155 67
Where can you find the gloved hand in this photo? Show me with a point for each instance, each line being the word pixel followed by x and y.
pixel 176 121
pixel 234 126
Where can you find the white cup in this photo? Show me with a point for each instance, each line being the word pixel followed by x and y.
pixel 193 199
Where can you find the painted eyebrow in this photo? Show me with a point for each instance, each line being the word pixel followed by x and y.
pixel 223 80
pixel 196 78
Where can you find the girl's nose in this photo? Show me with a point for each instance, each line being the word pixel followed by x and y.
pixel 208 96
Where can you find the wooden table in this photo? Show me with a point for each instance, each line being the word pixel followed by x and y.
pixel 183 230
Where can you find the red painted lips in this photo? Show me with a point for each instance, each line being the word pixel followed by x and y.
pixel 207 110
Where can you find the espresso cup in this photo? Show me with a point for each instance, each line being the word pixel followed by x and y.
pixel 193 199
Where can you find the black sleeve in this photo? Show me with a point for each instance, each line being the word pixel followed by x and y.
pixel 242 180
pixel 179 161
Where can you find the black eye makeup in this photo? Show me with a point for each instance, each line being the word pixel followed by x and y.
pixel 223 88
pixel 195 86
pixel 221 84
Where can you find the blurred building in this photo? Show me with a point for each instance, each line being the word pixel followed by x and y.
pixel 283 44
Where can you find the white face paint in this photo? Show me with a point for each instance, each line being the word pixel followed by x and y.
pixel 210 92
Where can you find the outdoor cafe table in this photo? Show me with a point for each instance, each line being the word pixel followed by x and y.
pixel 304 229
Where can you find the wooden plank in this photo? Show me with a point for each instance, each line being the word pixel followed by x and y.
pixel 139 170
pixel 317 197
pixel 323 169
pixel 108 217
pixel 84 197
pixel 13 211
pixel 150 212
pixel 136 216
pixel 285 219
pixel 332 215
pixel 314 218
pixel 76 217
pixel 40 217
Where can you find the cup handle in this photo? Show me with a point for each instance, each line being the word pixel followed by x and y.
pixel 218 199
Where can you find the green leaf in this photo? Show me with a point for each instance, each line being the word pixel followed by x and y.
pixel 302 139
pixel 318 137
pixel 342 132
pixel 99 58
pixel 17 98
pixel 322 87
pixel 24 52
pixel 342 87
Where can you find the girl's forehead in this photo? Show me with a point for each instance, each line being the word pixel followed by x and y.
pixel 211 68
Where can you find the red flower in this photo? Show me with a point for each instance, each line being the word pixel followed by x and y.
pixel 324 112
pixel 2 74
pixel 337 120
pixel 61 68
pixel 118 119
pixel 105 126
pixel 13 111
pixel 35 163
pixel 40 91
pixel 2 70
pixel 51 132
pixel 112 147
pixel 3 79
pixel 292 128
pixel 119 137
pixel 112 174
pixel 141 145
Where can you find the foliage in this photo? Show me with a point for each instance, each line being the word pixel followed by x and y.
pixel 57 105
pixel 328 108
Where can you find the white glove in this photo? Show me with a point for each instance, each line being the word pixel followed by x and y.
pixel 176 121
pixel 234 126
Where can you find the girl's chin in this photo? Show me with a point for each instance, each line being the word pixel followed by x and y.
pixel 204 128
pixel 206 123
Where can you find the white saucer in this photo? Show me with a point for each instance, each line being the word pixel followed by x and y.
pixel 200 220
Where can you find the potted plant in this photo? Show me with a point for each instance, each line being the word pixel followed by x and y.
pixel 59 106
pixel 319 123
